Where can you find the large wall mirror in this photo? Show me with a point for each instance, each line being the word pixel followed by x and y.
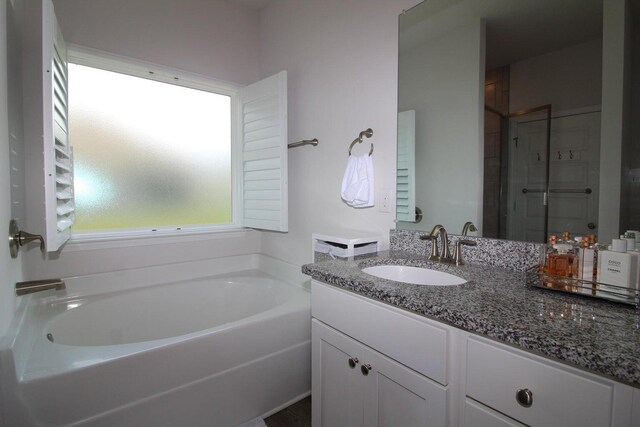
pixel 519 117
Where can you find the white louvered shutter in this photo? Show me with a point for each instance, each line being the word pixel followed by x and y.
pixel 58 155
pixel 264 192
pixel 406 178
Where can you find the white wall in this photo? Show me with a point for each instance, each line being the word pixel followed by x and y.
pixel 341 58
pixel 11 270
pixel 567 79
pixel 216 38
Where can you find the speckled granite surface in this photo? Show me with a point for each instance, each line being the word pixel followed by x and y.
pixel 595 335
pixel 490 252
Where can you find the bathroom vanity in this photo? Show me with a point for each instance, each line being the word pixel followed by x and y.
pixel 489 352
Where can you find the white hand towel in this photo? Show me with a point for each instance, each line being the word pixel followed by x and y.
pixel 357 183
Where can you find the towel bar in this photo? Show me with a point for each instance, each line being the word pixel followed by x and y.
pixel 313 142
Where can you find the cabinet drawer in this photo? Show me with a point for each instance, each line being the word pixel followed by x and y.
pixel 478 415
pixel 560 395
pixel 413 342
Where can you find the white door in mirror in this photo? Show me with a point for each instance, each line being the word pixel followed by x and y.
pixel 414 275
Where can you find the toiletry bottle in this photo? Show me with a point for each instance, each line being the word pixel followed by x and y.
pixel 635 234
pixel 585 266
pixel 593 244
pixel 548 268
pixel 618 268
pixel 635 258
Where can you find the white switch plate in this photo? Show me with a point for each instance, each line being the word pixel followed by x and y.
pixel 385 200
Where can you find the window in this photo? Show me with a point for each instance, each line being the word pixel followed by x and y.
pixel 157 151
pixel 148 154
pixel 156 154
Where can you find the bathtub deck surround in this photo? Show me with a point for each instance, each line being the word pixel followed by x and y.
pixel 594 335
pixel 183 344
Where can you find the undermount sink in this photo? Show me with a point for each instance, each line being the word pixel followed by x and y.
pixel 414 275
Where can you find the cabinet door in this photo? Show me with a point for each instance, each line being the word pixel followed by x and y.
pixel 398 396
pixel 336 383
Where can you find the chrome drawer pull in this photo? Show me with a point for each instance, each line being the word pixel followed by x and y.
pixel 524 397
pixel 353 361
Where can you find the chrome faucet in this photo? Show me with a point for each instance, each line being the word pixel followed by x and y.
pixel 444 242
pixel 440 232
pixel 468 226
pixel 23 288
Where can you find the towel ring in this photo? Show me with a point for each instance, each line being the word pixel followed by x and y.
pixel 365 133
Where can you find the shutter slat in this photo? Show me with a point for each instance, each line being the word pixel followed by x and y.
pixel 265 205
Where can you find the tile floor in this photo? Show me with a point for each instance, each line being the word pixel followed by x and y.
pixel 296 415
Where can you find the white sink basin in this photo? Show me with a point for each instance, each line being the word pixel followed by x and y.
pixel 414 275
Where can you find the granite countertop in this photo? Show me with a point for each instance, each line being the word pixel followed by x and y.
pixel 599 336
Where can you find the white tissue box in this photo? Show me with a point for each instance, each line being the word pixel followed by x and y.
pixel 342 250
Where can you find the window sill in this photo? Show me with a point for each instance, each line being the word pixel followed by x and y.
pixel 113 241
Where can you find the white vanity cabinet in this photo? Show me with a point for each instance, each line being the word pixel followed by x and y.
pixel 377 365
pixel 354 385
pixel 374 366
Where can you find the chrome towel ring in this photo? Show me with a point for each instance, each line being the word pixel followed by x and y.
pixel 365 133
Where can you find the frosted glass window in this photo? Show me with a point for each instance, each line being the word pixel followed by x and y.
pixel 147 154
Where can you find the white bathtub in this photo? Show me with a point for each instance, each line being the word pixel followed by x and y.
pixel 171 346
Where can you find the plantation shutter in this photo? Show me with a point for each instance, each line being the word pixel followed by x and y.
pixel 58 155
pixel 264 192
pixel 406 181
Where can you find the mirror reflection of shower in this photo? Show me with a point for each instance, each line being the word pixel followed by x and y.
pixel 532 53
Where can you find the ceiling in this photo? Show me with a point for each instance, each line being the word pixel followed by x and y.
pixel 256 4
pixel 516 29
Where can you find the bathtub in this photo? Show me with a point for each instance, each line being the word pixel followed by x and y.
pixel 211 343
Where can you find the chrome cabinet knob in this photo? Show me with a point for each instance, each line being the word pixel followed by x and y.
pixel 365 369
pixel 353 361
pixel 524 397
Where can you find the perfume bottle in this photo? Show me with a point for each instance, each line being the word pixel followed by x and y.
pixel 547 251
pixel 562 262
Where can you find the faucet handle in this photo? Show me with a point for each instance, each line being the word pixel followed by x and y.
pixel 457 254
pixel 24 238
pixel 18 238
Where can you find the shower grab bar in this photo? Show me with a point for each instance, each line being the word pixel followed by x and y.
pixel 559 190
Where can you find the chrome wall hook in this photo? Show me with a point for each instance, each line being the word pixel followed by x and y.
pixel 19 238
